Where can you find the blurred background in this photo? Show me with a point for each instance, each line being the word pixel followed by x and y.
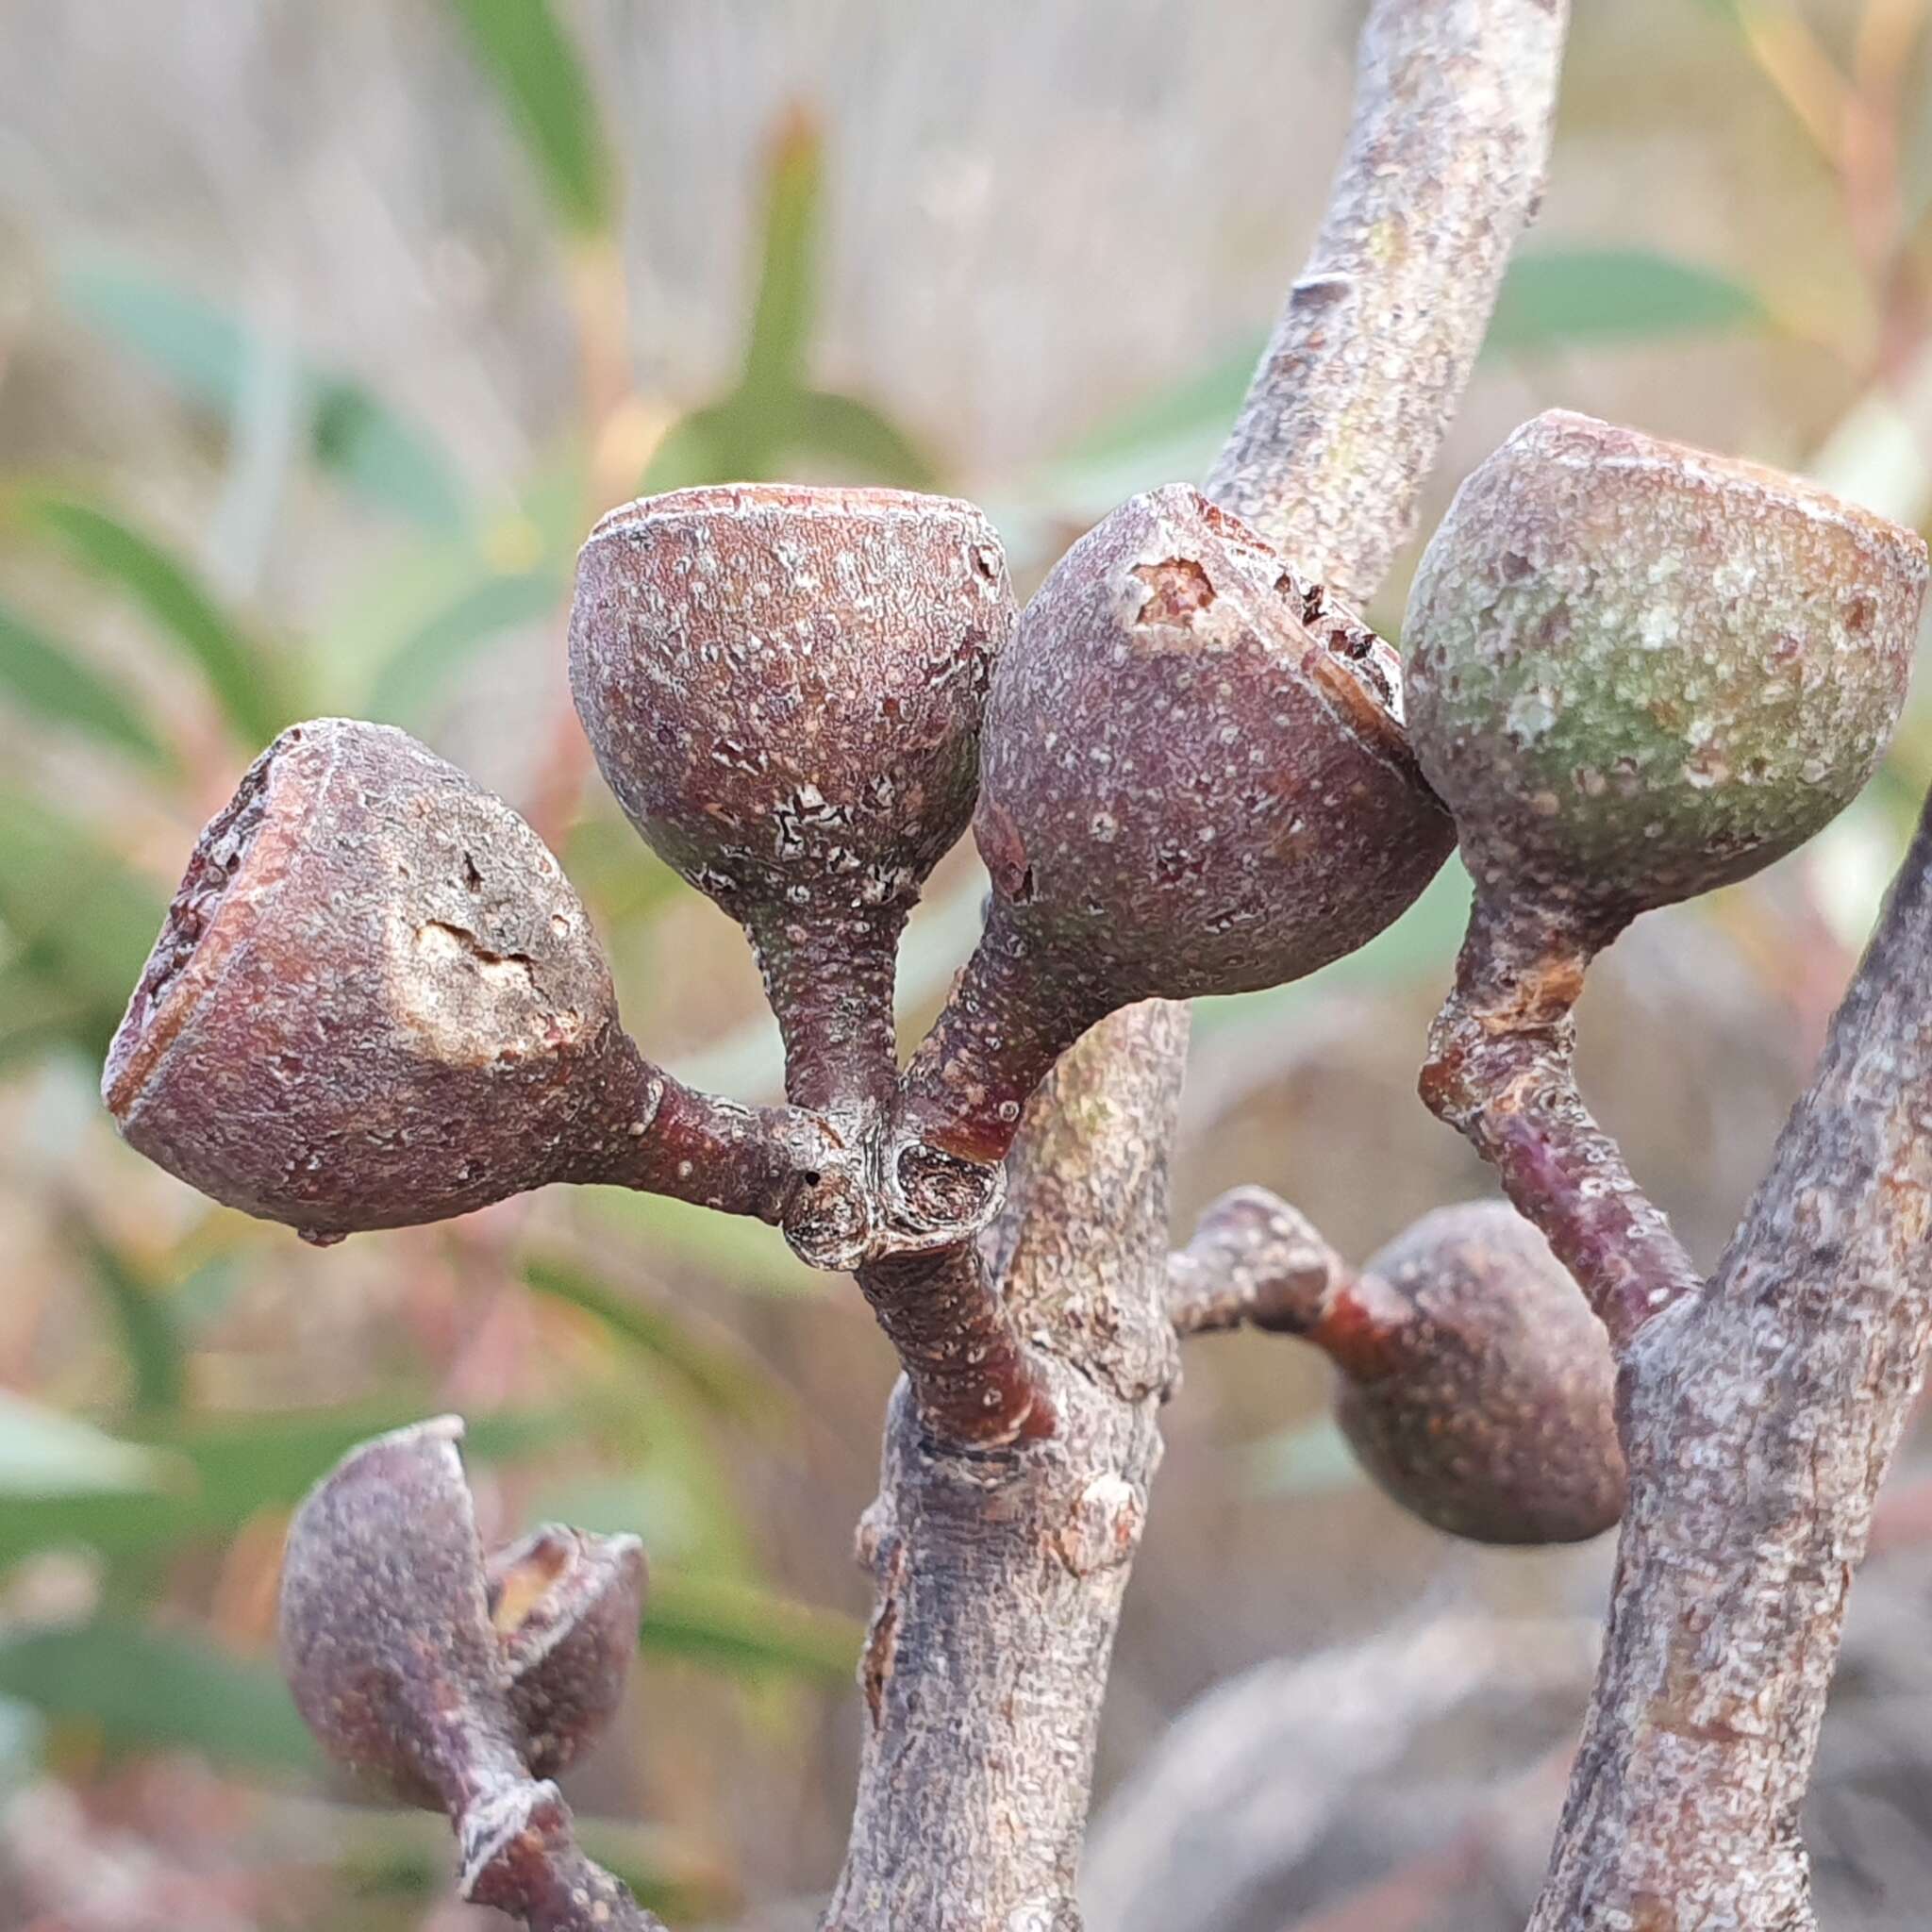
pixel 325 334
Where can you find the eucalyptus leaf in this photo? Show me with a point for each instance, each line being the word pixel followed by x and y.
pixel 524 49
pixel 201 350
pixel 747 1631
pixel 141 1688
pixel 50 679
pixel 43 1453
pixel 243 677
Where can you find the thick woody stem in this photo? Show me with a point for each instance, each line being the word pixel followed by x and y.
pixel 1760 1416
pixel 1001 1577
pixel 1254 1262
pixel 1500 1071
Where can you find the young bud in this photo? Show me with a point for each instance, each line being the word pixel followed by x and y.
pixel 1194 781
pixel 566 1605
pixel 376 1001
pixel 783 686
pixel 385 1637
pixel 1637 672
pixel 1475 1385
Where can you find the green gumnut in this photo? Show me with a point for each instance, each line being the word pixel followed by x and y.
pixel 1637 672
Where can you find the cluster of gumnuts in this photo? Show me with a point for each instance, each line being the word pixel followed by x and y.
pixel 1633 672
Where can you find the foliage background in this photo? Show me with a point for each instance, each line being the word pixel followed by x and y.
pixel 324 333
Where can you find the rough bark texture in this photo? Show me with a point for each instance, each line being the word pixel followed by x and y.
pixel 1381 330
pixel 1758 1418
pixel 1001 1573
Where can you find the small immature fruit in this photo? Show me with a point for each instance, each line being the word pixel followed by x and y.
pixel 385 1637
pixel 565 1604
pixel 1195 780
pixel 1475 1385
pixel 376 1001
pixel 400 1641
pixel 1637 672
pixel 784 687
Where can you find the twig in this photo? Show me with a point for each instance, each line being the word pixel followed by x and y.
pixel 1380 332
pixel 1001 1574
pixel 1500 1071
pixel 1758 1419
pixel 1254 1261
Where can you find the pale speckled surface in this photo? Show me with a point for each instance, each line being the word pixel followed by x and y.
pixel 1637 671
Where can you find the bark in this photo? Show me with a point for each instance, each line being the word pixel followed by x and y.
pixel 1001 1571
pixel 1758 1419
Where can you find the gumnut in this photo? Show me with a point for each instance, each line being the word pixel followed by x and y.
pixel 1475 1386
pixel 784 689
pixel 376 1001
pixel 1637 672
pixel 1194 781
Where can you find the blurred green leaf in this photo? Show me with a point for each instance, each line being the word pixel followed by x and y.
pixel 741 1628
pixel 866 445
pixel 21 1736
pixel 525 51
pixel 142 1688
pixel 773 427
pixel 49 679
pixel 80 921
pixel 237 669
pixel 203 350
pixel 385 458
pixel 411 681
pixel 1563 296
pixel 236 1465
pixel 724 1381
pixel 743 1254
pixel 149 1339
pixel 782 312
pixel 43 1453
pixel 1553 297
pixel 1419 947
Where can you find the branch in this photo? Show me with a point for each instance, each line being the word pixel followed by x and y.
pixel 1001 1573
pixel 1254 1262
pixel 1370 354
pixel 1759 1417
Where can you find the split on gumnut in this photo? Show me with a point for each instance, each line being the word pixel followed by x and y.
pixel 456 1683
pixel 1194 779
pixel 784 688
pixel 1636 672
pixel 1473 1381
pixel 376 1001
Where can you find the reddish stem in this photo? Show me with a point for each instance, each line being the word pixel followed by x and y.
pixel 961 1353
pixel 1500 1072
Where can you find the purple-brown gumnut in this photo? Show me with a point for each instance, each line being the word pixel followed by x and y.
pixel 566 1605
pixel 784 688
pixel 1637 672
pixel 376 1001
pixel 386 1637
pixel 1476 1387
pixel 1194 781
